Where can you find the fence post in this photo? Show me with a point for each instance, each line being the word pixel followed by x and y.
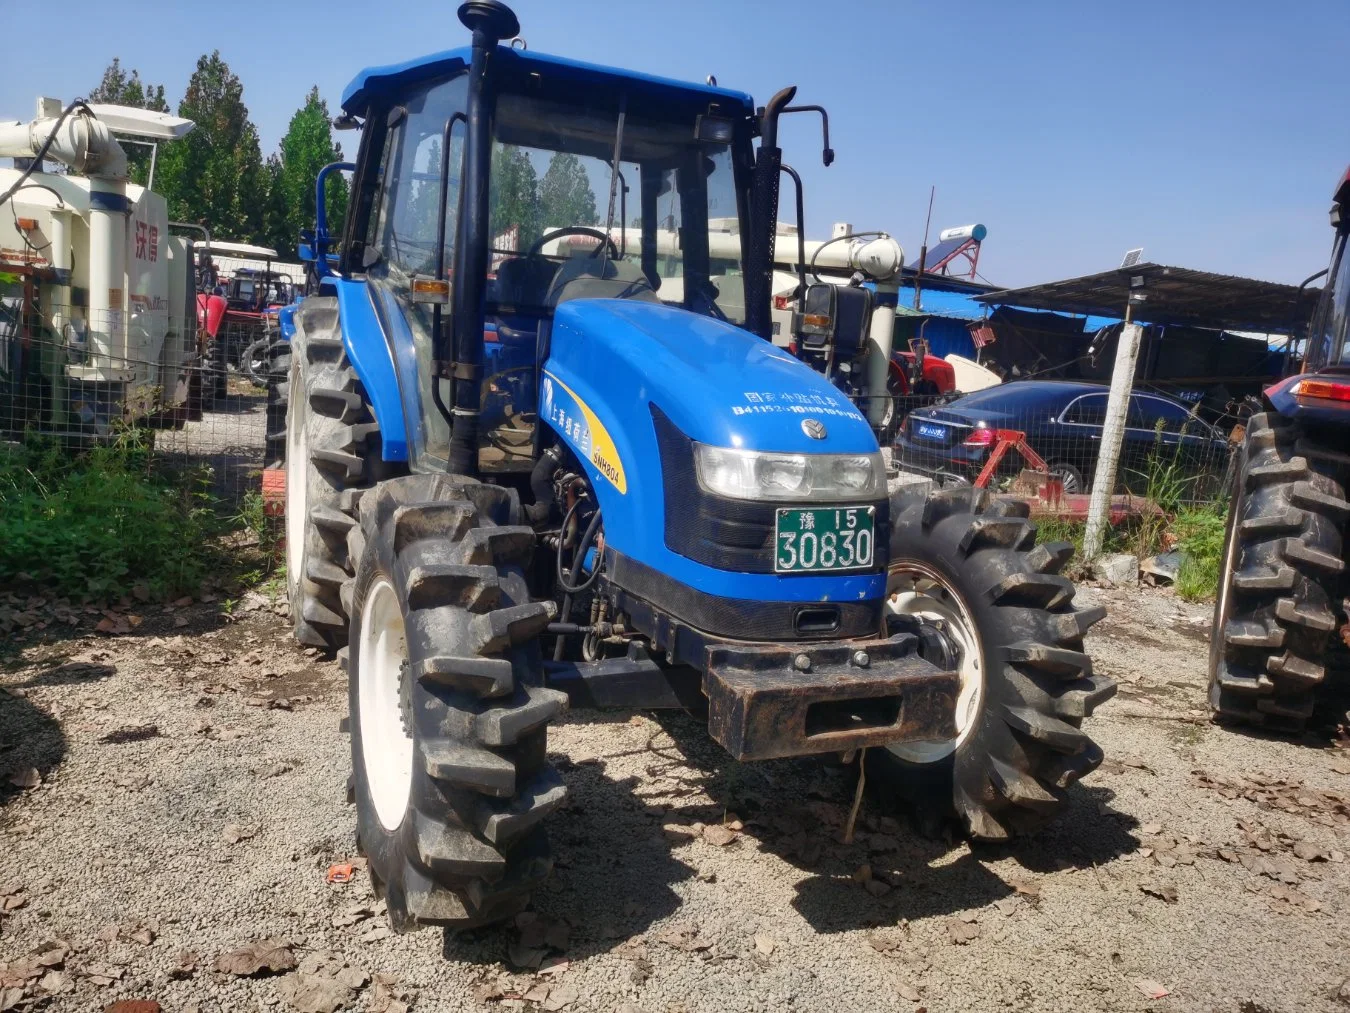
pixel 1113 435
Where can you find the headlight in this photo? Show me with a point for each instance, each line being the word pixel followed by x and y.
pixel 820 478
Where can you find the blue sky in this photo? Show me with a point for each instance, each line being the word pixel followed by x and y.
pixel 1210 133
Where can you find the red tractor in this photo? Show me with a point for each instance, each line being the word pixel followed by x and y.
pixel 1280 612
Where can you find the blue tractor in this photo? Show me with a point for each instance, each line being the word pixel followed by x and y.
pixel 540 450
pixel 1280 616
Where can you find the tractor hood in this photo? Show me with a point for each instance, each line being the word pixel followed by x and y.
pixel 718 383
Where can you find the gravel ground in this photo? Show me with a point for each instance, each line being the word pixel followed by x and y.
pixel 191 802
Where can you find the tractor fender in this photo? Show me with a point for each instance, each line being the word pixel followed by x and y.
pixel 210 313
pixel 368 349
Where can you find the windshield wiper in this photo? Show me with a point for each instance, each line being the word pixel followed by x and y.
pixel 614 171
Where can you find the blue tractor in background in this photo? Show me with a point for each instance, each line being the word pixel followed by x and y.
pixel 1280 616
pixel 540 450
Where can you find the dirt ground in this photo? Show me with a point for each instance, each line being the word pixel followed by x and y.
pixel 173 794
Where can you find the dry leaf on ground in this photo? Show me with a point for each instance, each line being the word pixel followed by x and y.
pixel 268 956
pixel 962 932
pixel 234 833
pixel 28 777
pixel 313 993
pixel 718 835
pixel 1152 989
pixel 1163 891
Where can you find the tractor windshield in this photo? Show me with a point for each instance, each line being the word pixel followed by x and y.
pixel 1329 345
pixel 551 198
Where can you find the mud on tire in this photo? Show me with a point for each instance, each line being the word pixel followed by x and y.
pixel 1282 577
pixel 466 845
pixel 332 447
pixel 1023 746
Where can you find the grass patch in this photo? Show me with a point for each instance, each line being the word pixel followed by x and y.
pixel 1199 532
pixel 96 524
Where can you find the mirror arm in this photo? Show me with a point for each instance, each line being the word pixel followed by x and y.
pixel 827 154
pixel 801 229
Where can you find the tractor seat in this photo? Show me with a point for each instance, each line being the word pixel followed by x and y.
pixel 524 281
pixel 587 277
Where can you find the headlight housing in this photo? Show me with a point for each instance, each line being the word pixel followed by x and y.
pixel 766 476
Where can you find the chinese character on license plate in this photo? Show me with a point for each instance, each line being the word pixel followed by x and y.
pixel 824 538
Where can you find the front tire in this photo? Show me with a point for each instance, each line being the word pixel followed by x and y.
pixel 969 566
pixel 1275 610
pixel 448 709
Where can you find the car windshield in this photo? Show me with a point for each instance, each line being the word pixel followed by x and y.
pixel 552 187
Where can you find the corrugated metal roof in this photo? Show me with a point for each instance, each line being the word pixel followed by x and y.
pixel 1172 295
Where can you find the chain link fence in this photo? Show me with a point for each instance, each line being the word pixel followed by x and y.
pixel 1042 439
pixel 80 380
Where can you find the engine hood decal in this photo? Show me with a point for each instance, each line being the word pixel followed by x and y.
pixel 574 419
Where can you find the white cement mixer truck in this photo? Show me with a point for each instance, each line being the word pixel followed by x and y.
pixel 97 308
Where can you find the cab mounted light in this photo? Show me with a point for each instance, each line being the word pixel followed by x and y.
pixel 714 129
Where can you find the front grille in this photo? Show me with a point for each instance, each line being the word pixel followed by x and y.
pixel 735 535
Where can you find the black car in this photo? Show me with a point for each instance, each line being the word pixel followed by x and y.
pixel 1063 423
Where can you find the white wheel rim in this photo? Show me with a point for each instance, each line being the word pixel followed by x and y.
pixel 386 748
pixel 1067 479
pixel 916 590
pixel 297 486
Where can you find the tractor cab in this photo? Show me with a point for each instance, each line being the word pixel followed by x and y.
pixel 1319 394
pixel 599 184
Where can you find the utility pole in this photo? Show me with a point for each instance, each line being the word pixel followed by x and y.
pixel 1113 431
pixel 923 250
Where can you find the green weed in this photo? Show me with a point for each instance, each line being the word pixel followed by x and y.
pixel 95 524
pixel 1199 532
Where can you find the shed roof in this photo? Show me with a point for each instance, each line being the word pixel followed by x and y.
pixel 1173 295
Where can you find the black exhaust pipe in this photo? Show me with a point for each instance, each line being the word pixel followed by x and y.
pixel 490 21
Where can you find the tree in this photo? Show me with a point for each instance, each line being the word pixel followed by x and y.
pixel 277 232
pixel 565 194
pixel 305 149
pixel 214 176
pixel 514 195
pixel 122 89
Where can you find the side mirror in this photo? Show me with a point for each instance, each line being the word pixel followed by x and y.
pixel 816 321
pixel 853 317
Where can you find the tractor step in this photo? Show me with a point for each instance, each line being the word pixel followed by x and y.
pixel 772 700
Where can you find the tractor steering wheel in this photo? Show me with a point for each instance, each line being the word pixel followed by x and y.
pixel 575 230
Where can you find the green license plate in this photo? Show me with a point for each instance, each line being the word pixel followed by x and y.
pixel 817 539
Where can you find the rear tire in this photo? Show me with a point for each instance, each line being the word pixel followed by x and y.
pixel 331 451
pixel 965 558
pixel 1282 577
pixel 451 780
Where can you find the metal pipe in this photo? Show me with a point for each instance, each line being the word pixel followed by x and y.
pixel 764 219
pixel 108 208
pixel 471 253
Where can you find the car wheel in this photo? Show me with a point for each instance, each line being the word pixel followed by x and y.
pixel 1069 476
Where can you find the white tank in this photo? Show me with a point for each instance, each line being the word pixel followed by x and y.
pixel 975 232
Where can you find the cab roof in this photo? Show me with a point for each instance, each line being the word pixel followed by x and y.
pixel 374 82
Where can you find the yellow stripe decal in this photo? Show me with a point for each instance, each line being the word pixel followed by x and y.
pixel 596 441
